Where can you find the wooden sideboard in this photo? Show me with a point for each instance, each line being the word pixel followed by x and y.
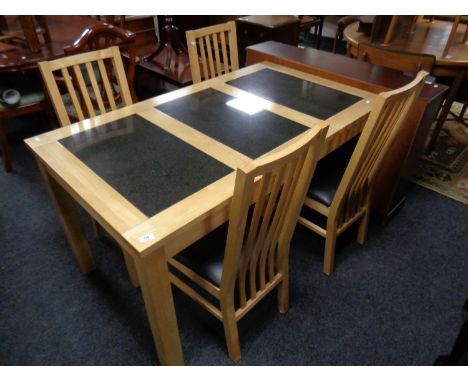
pixel 409 145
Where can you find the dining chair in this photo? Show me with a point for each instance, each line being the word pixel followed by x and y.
pixel 402 61
pixel 100 68
pixel 87 76
pixel 341 189
pixel 234 266
pixel 103 35
pixel 214 48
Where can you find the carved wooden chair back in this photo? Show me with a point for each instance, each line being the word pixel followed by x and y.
pixel 214 48
pixel 103 35
pixel 73 70
pixel 406 62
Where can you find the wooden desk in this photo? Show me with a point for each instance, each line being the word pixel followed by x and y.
pixel 179 186
pixel 388 195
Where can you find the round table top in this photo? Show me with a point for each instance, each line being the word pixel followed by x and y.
pixel 428 38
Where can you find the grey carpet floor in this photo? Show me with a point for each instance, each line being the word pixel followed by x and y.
pixel 397 300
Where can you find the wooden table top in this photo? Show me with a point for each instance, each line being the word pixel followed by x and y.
pixel 189 116
pixel 428 37
pixel 63 31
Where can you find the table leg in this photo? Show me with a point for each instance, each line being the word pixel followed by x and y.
pixel 153 275
pixel 68 215
pixel 445 109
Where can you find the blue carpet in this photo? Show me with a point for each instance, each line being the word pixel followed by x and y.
pixel 395 301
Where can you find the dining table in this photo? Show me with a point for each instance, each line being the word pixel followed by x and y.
pixel 159 174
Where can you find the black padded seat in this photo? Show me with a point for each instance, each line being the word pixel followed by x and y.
pixel 329 171
pixel 205 257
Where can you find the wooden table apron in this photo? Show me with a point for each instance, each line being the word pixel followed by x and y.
pixel 151 240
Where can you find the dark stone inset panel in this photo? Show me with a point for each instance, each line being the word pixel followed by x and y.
pixel 304 96
pixel 151 168
pixel 252 135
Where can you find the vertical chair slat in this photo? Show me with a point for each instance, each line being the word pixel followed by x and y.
pixel 84 90
pixel 274 191
pixel 253 228
pixel 210 56
pixel 224 50
pixel 106 83
pixel 203 57
pixel 97 92
pixel 72 92
pixel 216 51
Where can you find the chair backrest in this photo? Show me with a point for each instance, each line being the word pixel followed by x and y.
pixel 106 63
pixel 103 35
pixel 395 59
pixel 273 190
pixel 388 113
pixel 209 47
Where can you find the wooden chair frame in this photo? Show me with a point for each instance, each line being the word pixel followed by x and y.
pixel 352 198
pixel 103 35
pixel 207 41
pixel 395 59
pixel 81 93
pixel 276 185
pixel 48 68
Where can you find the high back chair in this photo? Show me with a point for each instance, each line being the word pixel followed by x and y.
pixel 88 79
pixel 406 62
pixel 104 35
pixel 341 189
pixel 215 49
pixel 240 262
pixel 98 67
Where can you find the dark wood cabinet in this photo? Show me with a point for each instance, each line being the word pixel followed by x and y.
pixel 255 29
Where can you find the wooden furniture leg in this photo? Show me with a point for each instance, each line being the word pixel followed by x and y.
pixel 445 109
pixel 153 275
pixel 5 149
pixel 131 269
pixel 68 215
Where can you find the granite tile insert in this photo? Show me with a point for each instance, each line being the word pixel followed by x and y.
pixel 301 95
pixel 252 135
pixel 148 166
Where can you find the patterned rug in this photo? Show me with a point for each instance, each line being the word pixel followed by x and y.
pixel 445 169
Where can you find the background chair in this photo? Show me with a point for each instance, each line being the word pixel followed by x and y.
pixel 406 62
pixel 102 64
pixel 341 189
pixel 239 268
pixel 102 35
pixel 343 22
pixel 98 67
pixel 209 47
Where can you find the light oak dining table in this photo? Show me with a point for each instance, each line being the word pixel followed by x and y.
pixel 159 175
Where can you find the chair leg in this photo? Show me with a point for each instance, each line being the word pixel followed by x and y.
pixel 98 230
pixel 230 330
pixel 362 232
pixel 5 149
pixel 131 269
pixel 329 257
pixel 283 287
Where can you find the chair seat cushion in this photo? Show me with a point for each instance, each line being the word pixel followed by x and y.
pixel 329 171
pixel 205 257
